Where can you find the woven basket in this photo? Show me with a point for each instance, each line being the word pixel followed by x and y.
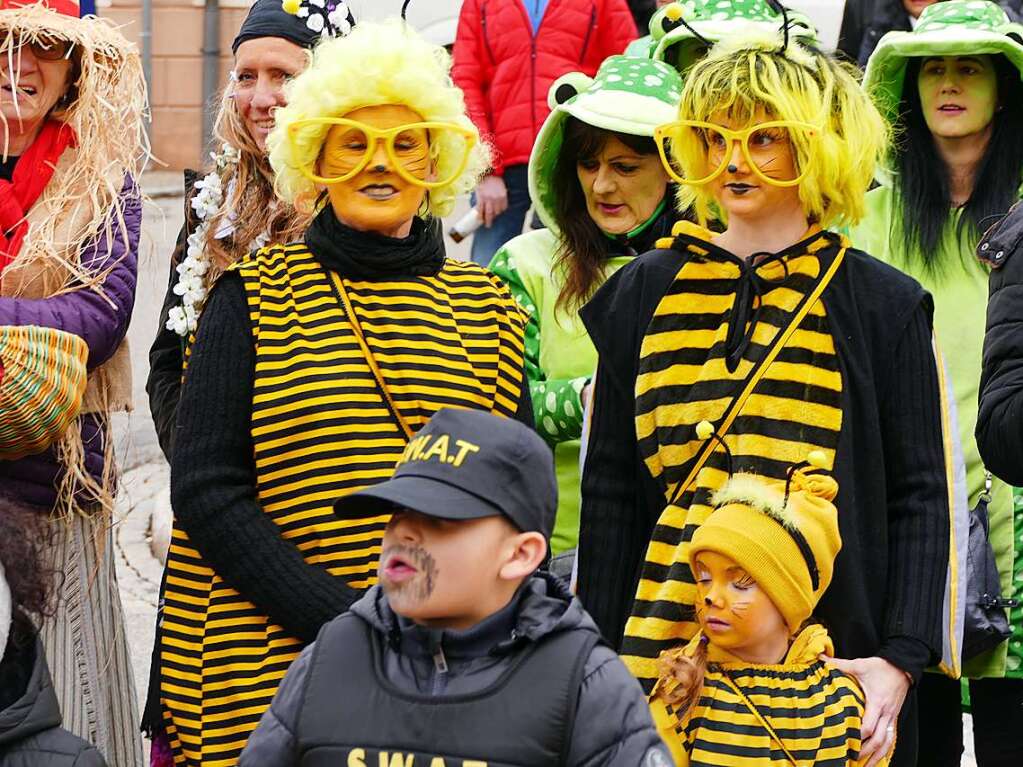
pixel 41 387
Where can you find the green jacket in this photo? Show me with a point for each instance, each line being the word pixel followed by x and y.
pixel 960 309
pixel 627 95
pixel 560 360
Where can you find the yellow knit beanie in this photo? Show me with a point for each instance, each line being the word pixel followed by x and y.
pixel 789 548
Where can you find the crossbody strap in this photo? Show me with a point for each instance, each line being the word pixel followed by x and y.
pixel 337 283
pixel 759 717
pixel 757 373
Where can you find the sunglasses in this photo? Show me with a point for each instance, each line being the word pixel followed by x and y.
pixel 43 48
pixel 408 147
pixel 762 146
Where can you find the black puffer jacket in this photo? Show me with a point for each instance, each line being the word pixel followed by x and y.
pixel 1000 418
pixel 30 732
pixel 613 723
pixel 865 22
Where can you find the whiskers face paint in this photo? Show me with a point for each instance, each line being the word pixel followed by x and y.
pixel 735 613
pixel 377 198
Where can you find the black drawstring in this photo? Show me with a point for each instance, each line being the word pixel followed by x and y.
pixel 749 292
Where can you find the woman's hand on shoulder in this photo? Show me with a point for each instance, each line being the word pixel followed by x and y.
pixel 885 687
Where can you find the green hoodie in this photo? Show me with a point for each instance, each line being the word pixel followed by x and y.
pixel 629 95
pixel 960 289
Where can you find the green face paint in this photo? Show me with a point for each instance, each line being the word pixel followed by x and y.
pixel 959 94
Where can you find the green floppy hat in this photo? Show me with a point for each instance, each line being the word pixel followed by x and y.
pixel 717 19
pixel 951 28
pixel 628 95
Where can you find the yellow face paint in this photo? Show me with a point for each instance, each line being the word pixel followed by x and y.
pixel 349 146
pixel 735 613
pixel 377 198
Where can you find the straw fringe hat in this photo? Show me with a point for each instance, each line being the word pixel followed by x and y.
pixel 107 112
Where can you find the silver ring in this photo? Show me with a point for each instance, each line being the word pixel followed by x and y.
pixel 890 728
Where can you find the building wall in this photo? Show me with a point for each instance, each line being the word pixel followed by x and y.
pixel 176 90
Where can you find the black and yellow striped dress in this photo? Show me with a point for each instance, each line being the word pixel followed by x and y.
pixel 814 710
pixel 320 429
pixel 683 378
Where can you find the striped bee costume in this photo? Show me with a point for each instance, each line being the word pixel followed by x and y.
pixel 844 350
pixel 813 711
pixel 317 426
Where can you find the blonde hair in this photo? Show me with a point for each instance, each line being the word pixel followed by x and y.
pixel 250 202
pixel 377 64
pixel 752 74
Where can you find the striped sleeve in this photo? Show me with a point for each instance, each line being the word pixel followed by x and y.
pixel 213 480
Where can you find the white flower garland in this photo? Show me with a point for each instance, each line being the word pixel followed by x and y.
pixel 191 284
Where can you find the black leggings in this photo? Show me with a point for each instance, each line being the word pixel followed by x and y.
pixel 997 722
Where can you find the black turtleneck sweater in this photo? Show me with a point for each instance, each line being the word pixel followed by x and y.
pixel 241 543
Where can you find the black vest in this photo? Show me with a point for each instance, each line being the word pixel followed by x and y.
pixel 353 717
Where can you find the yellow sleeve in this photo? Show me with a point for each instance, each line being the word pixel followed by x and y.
pixel 666 728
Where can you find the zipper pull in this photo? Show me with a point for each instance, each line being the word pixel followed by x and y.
pixel 439 661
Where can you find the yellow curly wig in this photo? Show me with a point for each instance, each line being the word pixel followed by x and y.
pixel 744 76
pixel 377 64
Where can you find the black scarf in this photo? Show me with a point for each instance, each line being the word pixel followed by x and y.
pixel 372 256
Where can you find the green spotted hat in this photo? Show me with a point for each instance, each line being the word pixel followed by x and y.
pixel 627 95
pixel 951 28
pixel 715 20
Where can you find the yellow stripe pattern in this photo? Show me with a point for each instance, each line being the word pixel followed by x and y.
pixel 815 711
pixel 321 429
pixel 683 379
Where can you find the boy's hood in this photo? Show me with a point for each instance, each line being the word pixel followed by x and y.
pixel 628 95
pixel 36 709
pixel 952 28
pixel 542 606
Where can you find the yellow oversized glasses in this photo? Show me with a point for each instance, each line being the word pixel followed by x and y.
pixel 349 147
pixel 768 147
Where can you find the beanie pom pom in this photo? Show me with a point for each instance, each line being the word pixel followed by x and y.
pixel 818 485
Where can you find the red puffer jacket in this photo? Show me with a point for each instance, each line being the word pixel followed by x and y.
pixel 506 70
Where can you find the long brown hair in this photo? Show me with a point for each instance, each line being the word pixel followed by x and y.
pixel 252 205
pixel 583 251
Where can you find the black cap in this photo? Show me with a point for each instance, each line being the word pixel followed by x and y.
pixel 467 464
pixel 267 18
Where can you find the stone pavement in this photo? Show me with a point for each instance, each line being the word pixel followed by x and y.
pixel 143 502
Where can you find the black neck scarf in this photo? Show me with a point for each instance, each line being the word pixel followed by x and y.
pixel 371 256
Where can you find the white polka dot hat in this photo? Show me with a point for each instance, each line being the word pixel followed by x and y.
pixel 627 95
pixel 952 28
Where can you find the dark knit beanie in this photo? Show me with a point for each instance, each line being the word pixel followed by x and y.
pixel 267 18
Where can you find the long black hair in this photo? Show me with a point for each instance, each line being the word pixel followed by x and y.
pixel 923 184
pixel 25 536
pixel 584 247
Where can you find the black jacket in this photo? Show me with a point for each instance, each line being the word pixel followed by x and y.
pixel 30 732
pixel 166 356
pixel 613 723
pixel 1000 418
pixel 642 10
pixel 886 597
pixel 865 22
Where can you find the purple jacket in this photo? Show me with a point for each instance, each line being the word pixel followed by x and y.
pixel 85 313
